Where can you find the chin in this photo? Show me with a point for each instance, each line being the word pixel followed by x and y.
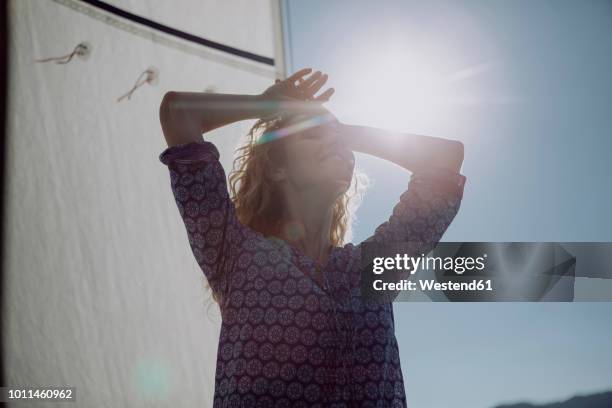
pixel 334 188
pixel 342 185
pixel 341 174
pixel 336 179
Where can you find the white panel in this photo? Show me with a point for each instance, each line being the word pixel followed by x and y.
pixel 244 24
pixel 102 290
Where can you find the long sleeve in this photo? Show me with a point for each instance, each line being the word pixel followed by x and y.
pixel 425 210
pixel 199 186
pixel 422 215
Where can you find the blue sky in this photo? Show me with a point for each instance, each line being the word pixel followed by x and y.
pixel 526 86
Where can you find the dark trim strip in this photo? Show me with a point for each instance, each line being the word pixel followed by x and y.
pixel 4 68
pixel 178 33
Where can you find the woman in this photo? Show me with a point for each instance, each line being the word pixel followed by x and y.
pixel 295 331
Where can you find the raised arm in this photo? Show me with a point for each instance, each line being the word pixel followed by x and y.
pixel 184 116
pixel 412 152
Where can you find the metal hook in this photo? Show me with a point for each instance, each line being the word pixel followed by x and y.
pixel 82 50
pixel 149 76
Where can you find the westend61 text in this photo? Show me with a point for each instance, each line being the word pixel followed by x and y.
pixel 430 284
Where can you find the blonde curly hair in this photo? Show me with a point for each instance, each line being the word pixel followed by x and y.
pixel 258 201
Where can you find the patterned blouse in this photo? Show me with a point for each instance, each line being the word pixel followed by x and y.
pixel 286 340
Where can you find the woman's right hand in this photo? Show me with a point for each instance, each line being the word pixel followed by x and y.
pixel 297 88
pixel 296 94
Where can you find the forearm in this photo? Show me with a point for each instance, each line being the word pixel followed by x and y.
pixel 412 152
pixel 186 115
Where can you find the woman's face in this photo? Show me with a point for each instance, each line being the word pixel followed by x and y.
pixel 316 157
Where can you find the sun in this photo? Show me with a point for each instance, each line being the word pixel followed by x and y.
pixel 407 89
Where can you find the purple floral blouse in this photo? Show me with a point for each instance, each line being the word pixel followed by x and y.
pixel 287 341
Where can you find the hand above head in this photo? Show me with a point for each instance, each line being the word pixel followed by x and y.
pixel 297 88
pixel 296 94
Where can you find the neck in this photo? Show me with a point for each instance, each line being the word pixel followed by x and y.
pixel 307 224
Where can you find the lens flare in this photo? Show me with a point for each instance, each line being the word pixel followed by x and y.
pixel 152 379
pixel 309 123
pixel 294 230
